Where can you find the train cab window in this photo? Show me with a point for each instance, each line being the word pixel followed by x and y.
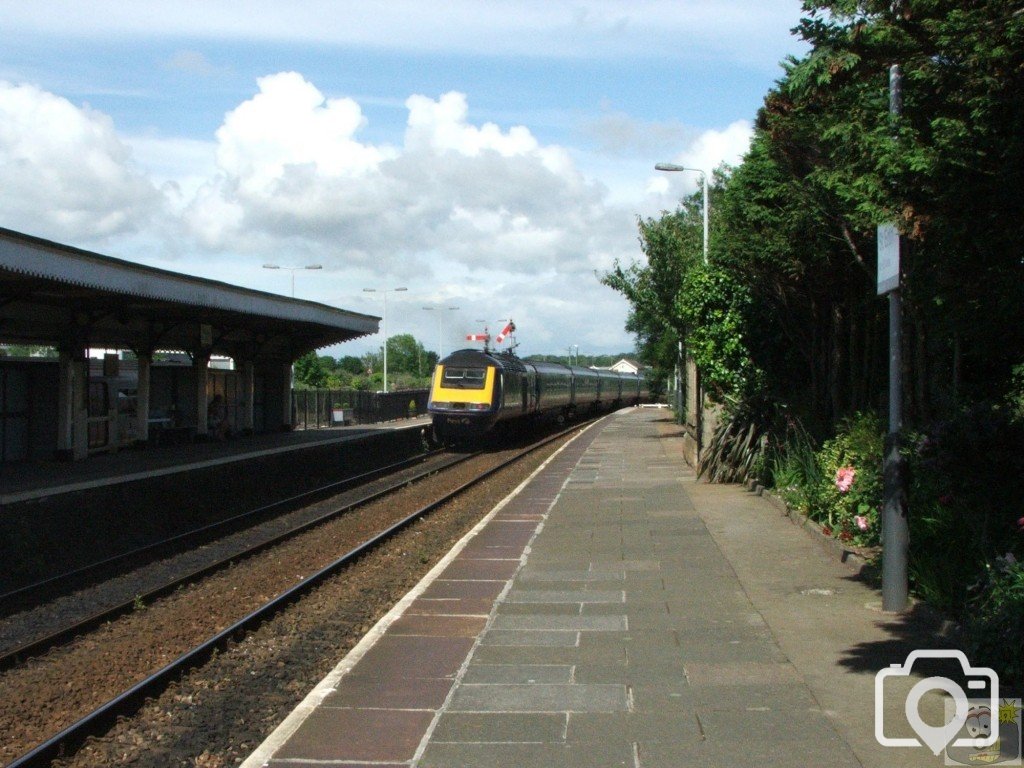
pixel 464 378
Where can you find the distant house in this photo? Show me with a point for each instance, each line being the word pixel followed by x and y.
pixel 626 366
pixel 623 366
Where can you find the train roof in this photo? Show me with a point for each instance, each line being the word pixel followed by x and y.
pixel 509 361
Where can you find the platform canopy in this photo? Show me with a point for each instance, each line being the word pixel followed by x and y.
pixel 53 294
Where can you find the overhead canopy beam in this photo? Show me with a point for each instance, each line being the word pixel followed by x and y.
pixel 47 288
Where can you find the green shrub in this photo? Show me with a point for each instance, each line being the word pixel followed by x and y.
pixel 795 474
pixel 848 497
pixel 994 621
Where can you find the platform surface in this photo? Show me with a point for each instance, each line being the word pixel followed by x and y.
pixel 617 612
pixel 26 480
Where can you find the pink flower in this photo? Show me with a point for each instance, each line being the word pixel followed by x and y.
pixel 844 478
pixel 861 521
pixel 1020 525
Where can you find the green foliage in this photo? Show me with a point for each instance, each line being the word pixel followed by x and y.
pixel 794 470
pixel 26 350
pixel 672 245
pixel 407 355
pixel 714 306
pixel 1015 397
pixel 994 621
pixel 738 447
pixel 409 367
pixel 840 484
pixel 793 319
pixel 351 365
pixel 852 512
pixel 310 371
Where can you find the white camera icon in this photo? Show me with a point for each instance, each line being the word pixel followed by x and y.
pixel 937 738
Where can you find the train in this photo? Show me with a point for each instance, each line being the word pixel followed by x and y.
pixel 473 391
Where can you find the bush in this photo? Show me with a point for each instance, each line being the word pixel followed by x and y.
pixel 794 472
pixel 848 499
pixel 994 621
pixel 964 510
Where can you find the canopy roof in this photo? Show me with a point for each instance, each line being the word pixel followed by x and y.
pixel 53 294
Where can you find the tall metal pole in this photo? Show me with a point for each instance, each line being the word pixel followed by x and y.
pixel 385 319
pixel 895 529
pixel 384 322
pixel 293 270
pixel 704 178
pixel 440 335
pixel 680 365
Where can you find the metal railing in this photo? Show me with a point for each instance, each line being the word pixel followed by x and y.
pixel 322 408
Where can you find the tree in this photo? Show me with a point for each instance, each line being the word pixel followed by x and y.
pixel 406 355
pixel 951 177
pixel 672 245
pixel 352 365
pixel 310 371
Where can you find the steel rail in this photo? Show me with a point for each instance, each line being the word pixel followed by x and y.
pixel 127 703
pixel 54 581
pixel 12 657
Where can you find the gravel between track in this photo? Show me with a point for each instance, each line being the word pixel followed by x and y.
pixel 217 714
pixel 66 610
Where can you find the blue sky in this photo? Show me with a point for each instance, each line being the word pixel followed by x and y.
pixel 490 156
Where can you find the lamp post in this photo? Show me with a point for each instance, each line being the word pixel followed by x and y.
pixel 384 320
pixel 293 270
pixel 704 181
pixel 440 318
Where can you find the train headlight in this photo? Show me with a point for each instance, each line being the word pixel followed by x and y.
pixel 478 406
pixel 440 405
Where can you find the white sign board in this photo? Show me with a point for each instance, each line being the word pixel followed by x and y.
pixel 888 258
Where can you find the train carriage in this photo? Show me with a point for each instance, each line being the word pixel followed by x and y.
pixel 472 391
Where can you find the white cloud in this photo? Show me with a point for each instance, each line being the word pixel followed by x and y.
pixel 66 173
pixel 480 215
pixel 710 150
pixel 291 166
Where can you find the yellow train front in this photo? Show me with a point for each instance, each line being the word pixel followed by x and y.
pixel 473 391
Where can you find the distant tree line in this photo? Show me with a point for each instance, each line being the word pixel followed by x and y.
pixel 410 366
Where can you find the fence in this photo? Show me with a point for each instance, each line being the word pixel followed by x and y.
pixel 314 408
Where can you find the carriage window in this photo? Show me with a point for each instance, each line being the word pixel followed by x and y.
pixel 464 378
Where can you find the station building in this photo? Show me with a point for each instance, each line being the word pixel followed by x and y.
pixel 172 342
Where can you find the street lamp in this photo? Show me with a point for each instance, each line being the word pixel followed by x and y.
pixel 293 270
pixel 440 317
pixel 384 321
pixel 704 180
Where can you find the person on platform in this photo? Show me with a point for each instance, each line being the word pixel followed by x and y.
pixel 217 418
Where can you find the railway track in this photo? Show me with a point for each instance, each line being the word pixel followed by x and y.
pixel 394 476
pixel 129 700
pixel 39 592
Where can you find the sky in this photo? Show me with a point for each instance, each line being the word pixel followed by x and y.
pixel 487 156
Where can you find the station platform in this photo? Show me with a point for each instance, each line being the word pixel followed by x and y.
pixel 27 480
pixel 613 611
pixel 121 502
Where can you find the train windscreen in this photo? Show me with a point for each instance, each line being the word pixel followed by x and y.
pixel 464 378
